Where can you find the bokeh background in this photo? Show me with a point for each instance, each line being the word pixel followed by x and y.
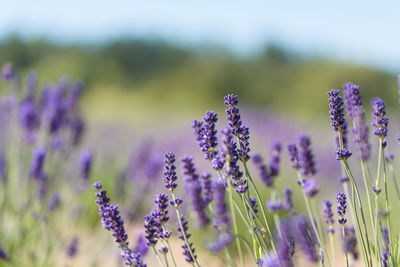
pixel 149 68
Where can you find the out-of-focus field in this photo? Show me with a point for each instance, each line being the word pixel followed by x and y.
pixel 140 92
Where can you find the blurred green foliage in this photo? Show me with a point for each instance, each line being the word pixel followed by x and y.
pixel 163 75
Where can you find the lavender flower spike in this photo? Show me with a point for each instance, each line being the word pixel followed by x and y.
pixel 341 207
pixel 380 121
pixel 294 156
pixel 169 172
pixel 235 123
pixel 336 111
pixel 209 141
pixel 85 164
pixel 38 158
pixel 355 110
pixel 306 156
pixel 112 221
pixel 328 215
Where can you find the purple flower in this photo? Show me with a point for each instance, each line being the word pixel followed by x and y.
pixel 336 110
pixel 265 173
pixel 379 121
pixel 3 254
pixel 3 175
pixel 294 156
pixel 198 203
pixel 160 216
pixel 310 187
pixel 28 116
pixel 54 202
pixel 207 187
pixel 306 238
pixel 275 158
pixel 85 164
pixel 328 215
pixel 306 156
pixel 274 206
pixel 288 201
pixel 150 226
pixel 209 141
pixel 253 206
pixel 222 220
pixel 38 157
pixel 342 154
pixel 269 260
pixel 224 240
pixel 8 72
pixel 285 243
pixel 355 110
pixel 341 207
pixel 72 247
pixel 385 258
pixel 141 245
pixel 112 221
pixel 232 169
pixel 188 169
pixel 184 233
pixel 235 123
pixel 169 172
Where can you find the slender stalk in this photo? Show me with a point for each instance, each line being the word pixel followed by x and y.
pixel 367 191
pixel 377 182
pixel 166 260
pixel 183 232
pixel 387 205
pixel 235 225
pixel 319 225
pixel 396 185
pixel 356 194
pixel 256 253
pixel 345 247
pixel 158 257
pixel 261 206
pixel 310 215
pixel 169 248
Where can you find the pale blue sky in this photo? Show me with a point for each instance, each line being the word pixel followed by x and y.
pixel 355 31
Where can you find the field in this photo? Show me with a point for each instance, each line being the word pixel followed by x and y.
pixel 266 168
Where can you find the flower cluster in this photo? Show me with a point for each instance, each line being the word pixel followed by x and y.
pixel 235 122
pixel 341 207
pixel 328 215
pixel 206 134
pixel 112 221
pixel 380 121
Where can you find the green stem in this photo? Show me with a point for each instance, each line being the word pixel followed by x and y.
pixel 367 191
pixel 169 248
pixel 262 207
pixel 235 225
pixel 158 257
pixel 256 253
pixel 387 204
pixel 312 221
pixel 355 190
pixel 183 232
pixel 396 185
pixel 345 247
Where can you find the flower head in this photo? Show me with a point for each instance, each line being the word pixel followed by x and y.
pixel 341 207
pixel 380 121
pixel 169 172
pixel 336 110
pixel 306 156
pixel 328 215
